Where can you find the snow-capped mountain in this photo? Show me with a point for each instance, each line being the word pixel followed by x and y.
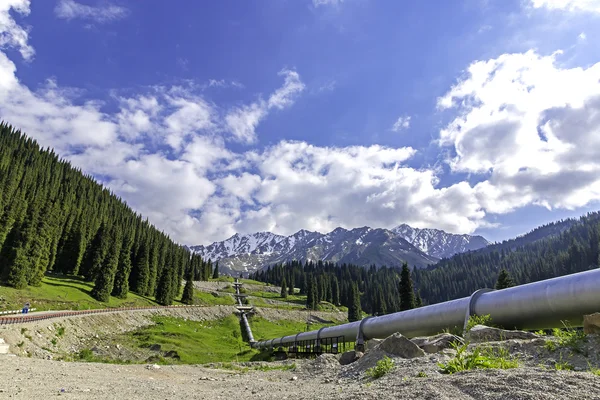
pixel 438 243
pixel 362 246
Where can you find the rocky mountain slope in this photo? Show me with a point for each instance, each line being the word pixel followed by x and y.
pixel 438 243
pixel 362 246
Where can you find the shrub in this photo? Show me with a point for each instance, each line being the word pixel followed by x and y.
pixel 479 358
pixel 569 337
pixel 479 320
pixel 383 366
pixel 421 374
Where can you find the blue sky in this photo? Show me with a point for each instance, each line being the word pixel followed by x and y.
pixel 211 118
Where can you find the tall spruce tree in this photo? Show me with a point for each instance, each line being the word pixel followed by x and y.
pixel 407 294
pixel 188 291
pixel 121 284
pixel 504 280
pixel 216 271
pixel 354 309
pixel 284 292
pixel 105 277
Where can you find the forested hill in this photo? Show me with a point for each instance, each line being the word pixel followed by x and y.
pixel 565 247
pixel 54 218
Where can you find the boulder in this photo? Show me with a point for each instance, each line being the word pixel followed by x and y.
pixel 400 346
pixel 437 343
pixel 591 323
pixel 155 347
pixel 482 333
pixel 349 357
pixel 371 343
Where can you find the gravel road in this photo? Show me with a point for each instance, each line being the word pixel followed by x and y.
pixel 24 378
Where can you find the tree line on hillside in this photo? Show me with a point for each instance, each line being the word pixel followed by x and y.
pixel 55 218
pixel 373 290
pixel 575 249
pixel 574 246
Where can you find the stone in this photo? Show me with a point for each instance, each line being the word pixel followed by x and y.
pixel 371 343
pixel 4 348
pixel 172 354
pixel 349 357
pixel 400 346
pixel 155 347
pixel 482 333
pixel 294 378
pixel 591 323
pixel 437 343
pixel 153 366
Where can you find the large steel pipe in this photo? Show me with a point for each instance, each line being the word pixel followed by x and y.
pixel 248 330
pixel 538 305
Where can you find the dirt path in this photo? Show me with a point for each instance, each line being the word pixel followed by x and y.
pixel 23 378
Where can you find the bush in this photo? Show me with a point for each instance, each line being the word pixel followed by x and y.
pixel 479 358
pixel 479 320
pixel 567 337
pixel 383 366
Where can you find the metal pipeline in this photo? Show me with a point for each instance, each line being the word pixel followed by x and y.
pixel 538 305
pixel 248 330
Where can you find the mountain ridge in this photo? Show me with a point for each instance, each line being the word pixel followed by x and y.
pixel 363 246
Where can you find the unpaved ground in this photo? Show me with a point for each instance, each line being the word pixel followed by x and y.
pixel 24 378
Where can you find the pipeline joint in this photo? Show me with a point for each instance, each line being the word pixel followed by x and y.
pixel 360 336
pixel 471 306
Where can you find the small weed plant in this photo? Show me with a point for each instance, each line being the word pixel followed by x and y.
pixel 568 337
pixel 593 370
pixel 383 366
pixel 60 331
pixel 479 320
pixel 421 374
pixel 479 358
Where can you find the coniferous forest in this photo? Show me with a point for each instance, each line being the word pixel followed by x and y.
pixel 552 250
pixel 55 218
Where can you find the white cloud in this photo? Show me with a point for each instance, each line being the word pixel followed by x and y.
pixel 243 121
pixel 70 9
pixel 319 3
pixel 11 34
pixel 532 126
pixel 568 5
pixel 403 122
pixel 582 36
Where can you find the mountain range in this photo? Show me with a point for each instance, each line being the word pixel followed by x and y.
pixel 361 246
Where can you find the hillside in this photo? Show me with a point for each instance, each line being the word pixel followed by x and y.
pixel 55 218
pixel 551 250
pixel 360 246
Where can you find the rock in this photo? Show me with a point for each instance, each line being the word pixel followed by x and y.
pixel 437 343
pixel 371 343
pixel 155 347
pixel 591 323
pixel 153 366
pixel 4 348
pixel 400 346
pixel 294 378
pixel 172 354
pixel 481 333
pixel 349 357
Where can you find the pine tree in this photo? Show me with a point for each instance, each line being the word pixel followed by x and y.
pixel 216 271
pixel 121 284
pixel 284 292
pixel 407 294
pixel 188 291
pixel 141 270
pixel 418 300
pixel 504 280
pixel 105 278
pixel 354 309
pixel 311 294
pixel 291 286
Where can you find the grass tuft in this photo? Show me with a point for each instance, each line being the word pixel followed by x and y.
pixel 479 358
pixel 383 366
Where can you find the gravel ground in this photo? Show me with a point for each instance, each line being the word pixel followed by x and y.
pixel 24 378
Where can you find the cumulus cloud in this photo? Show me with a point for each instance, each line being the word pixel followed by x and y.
pixel 568 5
pixel 532 127
pixel 243 121
pixel 70 9
pixel 403 122
pixel 11 34
pixel 319 3
pixel 527 125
